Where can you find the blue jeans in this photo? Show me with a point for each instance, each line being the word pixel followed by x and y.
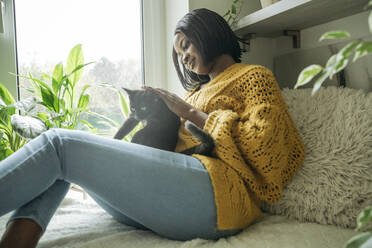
pixel 166 192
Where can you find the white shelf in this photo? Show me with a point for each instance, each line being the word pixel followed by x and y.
pixel 296 15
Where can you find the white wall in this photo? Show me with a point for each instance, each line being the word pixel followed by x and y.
pixel 264 50
pixel 7 50
pixel 289 61
pixel 356 25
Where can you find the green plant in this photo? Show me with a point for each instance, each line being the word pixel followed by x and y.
pixel 338 61
pixel 55 103
pixel 233 12
pixel 10 140
pixel 362 240
pixel 58 95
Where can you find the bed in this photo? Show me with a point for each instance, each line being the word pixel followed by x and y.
pixel 81 223
pixel 319 206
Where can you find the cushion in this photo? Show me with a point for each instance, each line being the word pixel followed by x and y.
pixel 335 182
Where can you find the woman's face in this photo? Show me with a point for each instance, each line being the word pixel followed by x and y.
pixel 189 55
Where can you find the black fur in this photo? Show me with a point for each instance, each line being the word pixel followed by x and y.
pixel 160 124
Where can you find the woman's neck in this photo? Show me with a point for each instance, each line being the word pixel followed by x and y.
pixel 220 64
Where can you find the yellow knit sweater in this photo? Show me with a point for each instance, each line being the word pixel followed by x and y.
pixel 258 148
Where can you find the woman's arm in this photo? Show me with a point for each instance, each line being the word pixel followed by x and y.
pixel 180 107
pixel 197 117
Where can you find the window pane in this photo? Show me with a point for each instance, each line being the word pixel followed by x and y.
pixel 110 34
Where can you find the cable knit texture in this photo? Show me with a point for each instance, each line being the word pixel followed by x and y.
pixel 258 148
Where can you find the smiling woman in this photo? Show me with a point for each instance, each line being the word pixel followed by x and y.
pixel 47 30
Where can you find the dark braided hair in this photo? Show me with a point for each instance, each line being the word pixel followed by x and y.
pixel 212 36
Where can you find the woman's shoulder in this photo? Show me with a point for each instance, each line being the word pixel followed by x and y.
pixel 254 69
pixel 256 81
pixel 252 73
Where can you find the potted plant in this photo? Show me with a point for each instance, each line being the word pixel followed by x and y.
pixel 55 102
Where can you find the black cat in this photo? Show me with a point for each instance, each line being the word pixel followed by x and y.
pixel 160 124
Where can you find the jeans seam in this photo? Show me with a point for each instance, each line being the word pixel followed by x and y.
pixel 59 151
pixel 158 158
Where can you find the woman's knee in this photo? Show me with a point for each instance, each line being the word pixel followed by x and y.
pixel 59 136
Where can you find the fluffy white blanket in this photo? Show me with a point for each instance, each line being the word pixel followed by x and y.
pixel 83 224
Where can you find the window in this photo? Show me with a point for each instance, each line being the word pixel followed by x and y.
pixel 110 34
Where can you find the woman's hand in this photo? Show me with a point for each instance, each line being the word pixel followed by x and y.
pixel 180 107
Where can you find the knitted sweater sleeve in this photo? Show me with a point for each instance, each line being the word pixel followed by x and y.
pixel 255 139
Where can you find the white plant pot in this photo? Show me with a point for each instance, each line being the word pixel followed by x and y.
pixel 265 3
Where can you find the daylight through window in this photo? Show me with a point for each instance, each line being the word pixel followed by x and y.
pixel 109 32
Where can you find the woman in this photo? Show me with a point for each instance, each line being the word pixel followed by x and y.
pixel 258 150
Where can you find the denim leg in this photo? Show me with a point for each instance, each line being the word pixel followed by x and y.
pixel 42 208
pixel 167 192
pixel 116 214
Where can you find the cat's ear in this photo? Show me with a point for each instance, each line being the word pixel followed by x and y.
pixel 128 91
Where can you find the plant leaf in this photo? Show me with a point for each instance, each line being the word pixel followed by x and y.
pixel 233 9
pixel 364 217
pixel 6 96
pixel 36 90
pixel 42 116
pixel 74 59
pixel 27 127
pixel 124 106
pixel 75 70
pixel 5 116
pixel 358 240
pixel 85 88
pixel 307 74
pixel 85 122
pixel 58 72
pixel 347 50
pixel 332 61
pixel 45 76
pixel 49 99
pixel 319 82
pixel 338 34
pixel 39 83
pixel 57 77
pixel 364 48
pixel 83 101
pixel 340 61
